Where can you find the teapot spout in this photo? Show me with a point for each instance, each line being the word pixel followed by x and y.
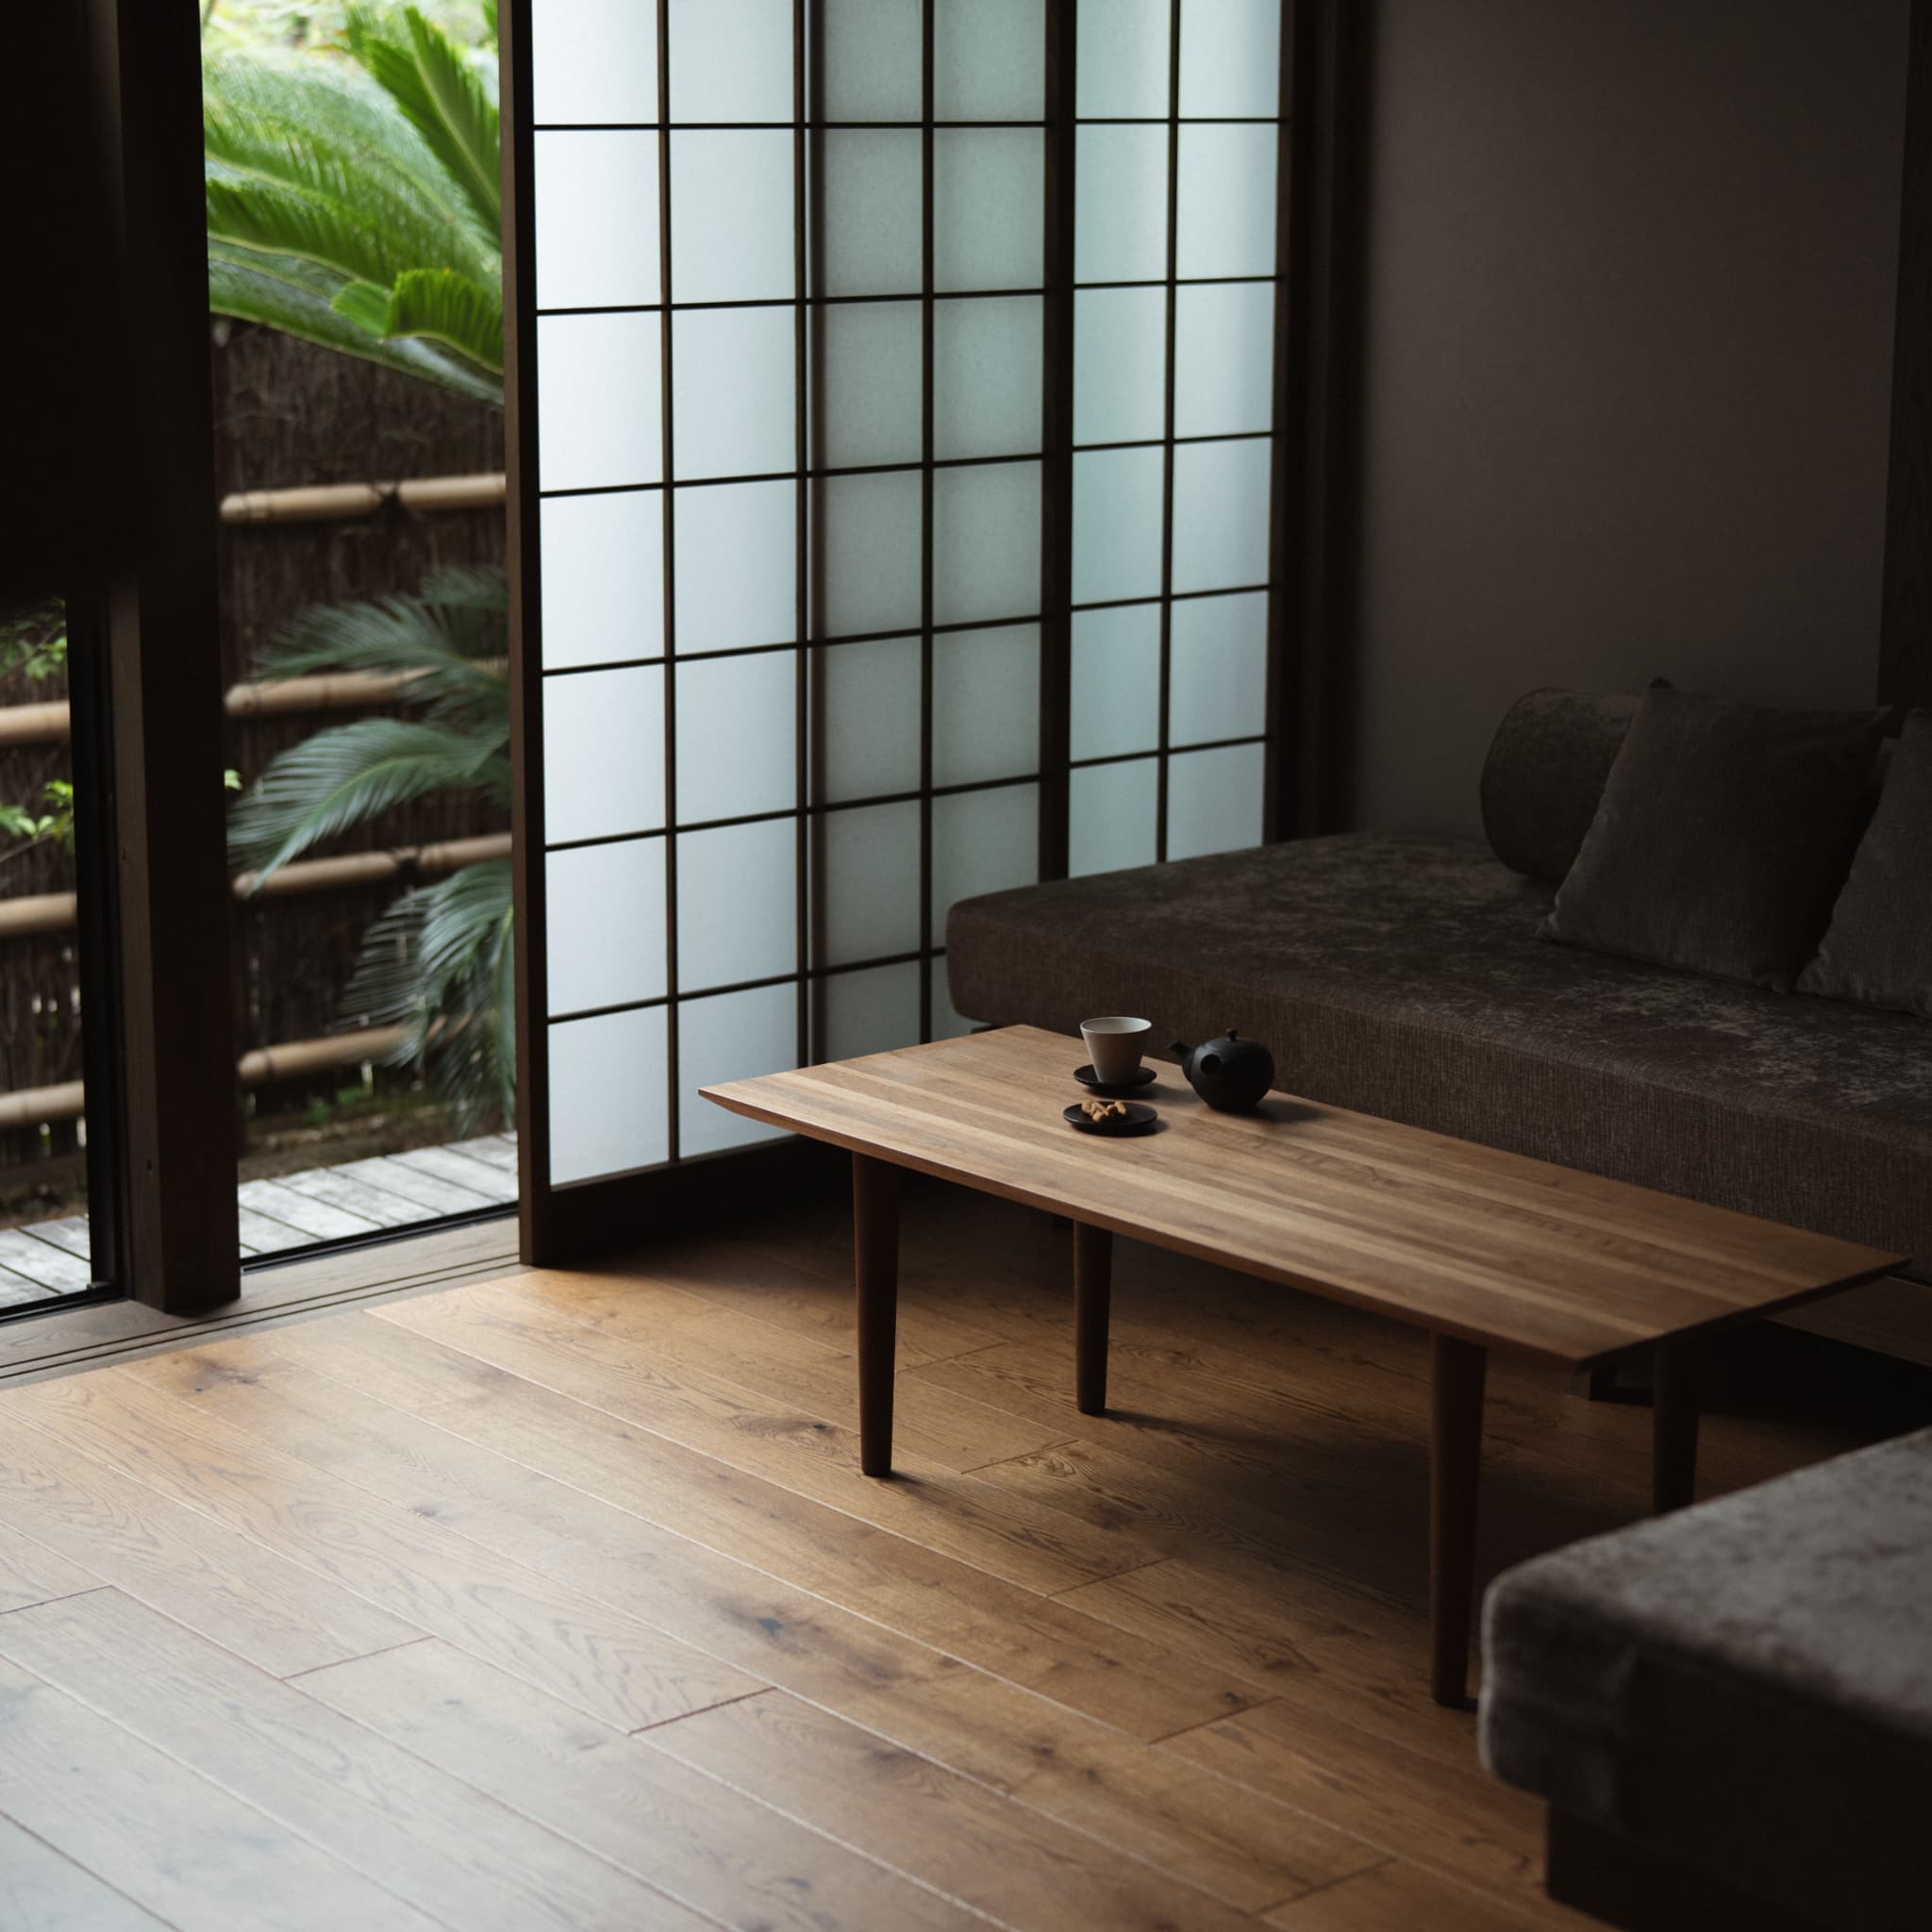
pixel 1179 1046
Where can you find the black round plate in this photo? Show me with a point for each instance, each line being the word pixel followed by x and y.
pixel 1116 1090
pixel 1140 1119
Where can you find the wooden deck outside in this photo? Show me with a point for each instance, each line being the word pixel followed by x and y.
pixel 361 1197
pixel 557 1602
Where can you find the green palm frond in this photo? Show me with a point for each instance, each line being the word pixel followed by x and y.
pixel 452 640
pixel 442 97
pixel 439 963
pixel 343 777
pixel 450 312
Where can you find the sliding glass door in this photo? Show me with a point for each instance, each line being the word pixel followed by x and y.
pixel 890 408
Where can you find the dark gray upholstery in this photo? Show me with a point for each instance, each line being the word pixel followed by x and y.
pixel 1745 1685
pixel 1402 976
pixel 1545 776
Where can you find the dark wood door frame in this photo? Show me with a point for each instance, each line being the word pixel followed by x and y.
pixel 145 598
pixel 1904 652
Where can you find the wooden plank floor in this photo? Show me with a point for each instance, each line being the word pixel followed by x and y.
pixel 557 1602
pixel 49 1258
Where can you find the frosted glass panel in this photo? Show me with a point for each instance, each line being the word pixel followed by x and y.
pixel 1214 800
pixel 608 1097
pixel 871 1011
pixel 1230 56
pixel 990 59
pixel 735 1036
pixel 1218 686
pixel 986 705
pixel 1223 377
pixel 1120 364
pixel 730 60
pixel 604 924
pixel 1123 57
pixel 1226 214
pixel 869 541
pixel 986 377
pixel 869 392
pixel 603 753
pixel 986 543
pixel 734 379
pixel 1111 809
pixel 596 220
pixel 1116 681
pixel 872 60
pixel 602 419
pixel 989 205
pixel 868 702
pixel 983 841
pixel 873 228
pixel 1117 524
pixel 871 860
pixel 603 578
pixel 737 736
pixel 1120 217
pixel 737 566
pixel 1221 514
pixel 948 1023
pixel 731 217
pixel 737 903
pixel 593 60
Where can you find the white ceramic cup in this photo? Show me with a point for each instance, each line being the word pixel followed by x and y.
pixel 1114 1045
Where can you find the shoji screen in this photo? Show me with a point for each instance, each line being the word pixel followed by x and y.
pixel 822 625
pixel 1174 263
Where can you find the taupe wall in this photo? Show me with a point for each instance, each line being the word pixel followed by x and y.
pixel 1628 293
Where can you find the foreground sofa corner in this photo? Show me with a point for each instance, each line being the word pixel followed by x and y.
pixel 1729 1709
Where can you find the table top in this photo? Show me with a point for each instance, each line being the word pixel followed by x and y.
pixel 1459 1239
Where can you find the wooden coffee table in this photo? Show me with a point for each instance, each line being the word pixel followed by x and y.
pixel 1483 1249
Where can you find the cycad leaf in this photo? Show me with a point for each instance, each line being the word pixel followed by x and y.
pixel 445 99
pixel 343 777
pixel 451 310
pixel 365 304
pixel 294 296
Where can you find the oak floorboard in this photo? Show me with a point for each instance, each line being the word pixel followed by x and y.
pixel 605 1660
pixel 1238 1844
pixel 1079 1660
pixel 740 1862
pixel 1040 1549
pixel 173 1558
pixel 419 1832
pixel 194 1856
pixel 1401 1897
pixel 44 1891
pixel 30 1573
pixel 987 1850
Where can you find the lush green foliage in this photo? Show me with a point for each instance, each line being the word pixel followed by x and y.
pixel 438 962
pixel 355 203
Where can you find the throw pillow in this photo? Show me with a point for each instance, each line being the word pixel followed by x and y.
pixel 1723 837
pixel 1878 947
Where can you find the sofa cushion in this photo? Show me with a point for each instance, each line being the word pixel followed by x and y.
pixel 1401 976
pixel 1723 837
pixel 1745 1685
pixel 1878 947
pixel 1544 774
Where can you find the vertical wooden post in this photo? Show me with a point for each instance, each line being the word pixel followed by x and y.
pixel 158 611
pixel 1455 1446
pixel 1093 1300
pixel 876 1278
pixel 1674 1396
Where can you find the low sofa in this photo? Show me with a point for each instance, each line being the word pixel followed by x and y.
pixel 1729 1709
pixel 1403 975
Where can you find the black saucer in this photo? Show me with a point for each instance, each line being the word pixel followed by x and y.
pixel 1118 1090
pixel 1140 1119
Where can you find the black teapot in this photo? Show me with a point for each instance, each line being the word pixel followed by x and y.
pixel 1229 1074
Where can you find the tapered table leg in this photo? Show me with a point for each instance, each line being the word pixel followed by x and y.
pixel 1675 1383
pixel 1092 1298
pixel 1455 1447
pixel 875 1276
